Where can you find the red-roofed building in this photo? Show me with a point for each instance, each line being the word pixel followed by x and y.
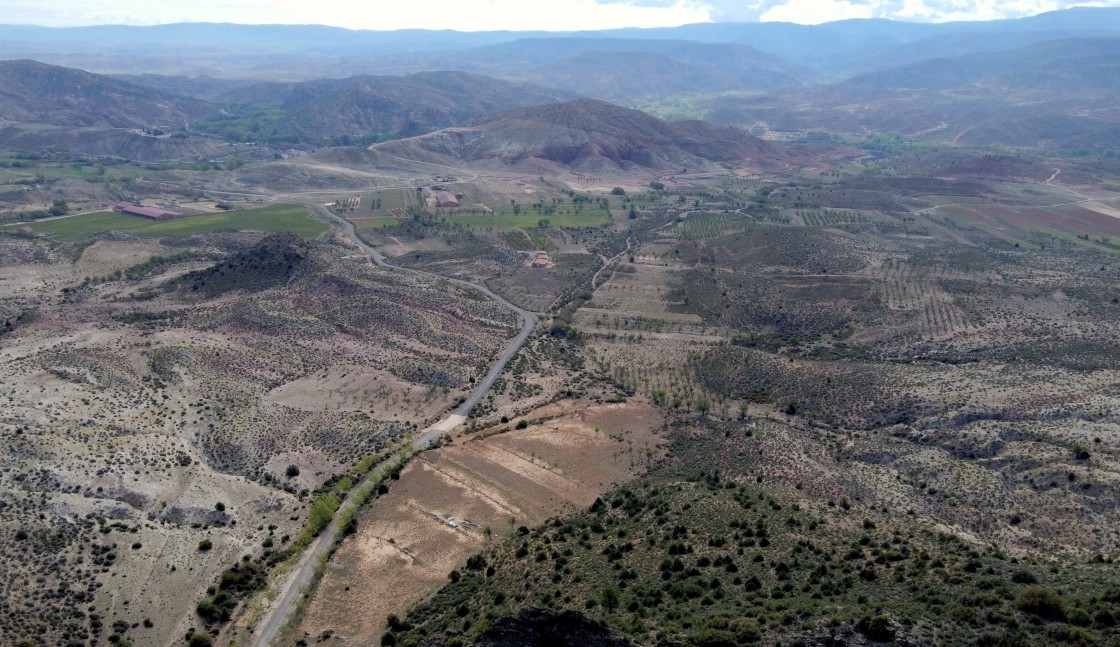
pixel 151 213
pixel 446 199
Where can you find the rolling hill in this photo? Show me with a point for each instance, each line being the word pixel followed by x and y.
pixel 377 107
pixel 585 136
pixel 33 92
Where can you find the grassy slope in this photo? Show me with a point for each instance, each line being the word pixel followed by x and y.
pixel 274 218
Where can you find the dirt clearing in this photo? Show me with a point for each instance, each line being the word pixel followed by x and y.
pixel 439 512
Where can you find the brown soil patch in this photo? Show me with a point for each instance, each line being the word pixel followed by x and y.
pixel 355 388
pixel 434 517
pixel 107 256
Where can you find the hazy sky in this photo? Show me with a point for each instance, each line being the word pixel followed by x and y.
pixel 471 15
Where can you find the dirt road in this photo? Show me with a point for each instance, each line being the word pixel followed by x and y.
pixel 294 585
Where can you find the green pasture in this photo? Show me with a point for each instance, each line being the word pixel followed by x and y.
pixel 391 199
pixel 274 218
pixel 375 222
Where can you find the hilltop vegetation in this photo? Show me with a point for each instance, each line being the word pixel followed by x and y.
pixel 702 552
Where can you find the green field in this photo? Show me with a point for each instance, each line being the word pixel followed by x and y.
pixel 375 222
pixel 710 226
pixel 391 199
pixel 279 217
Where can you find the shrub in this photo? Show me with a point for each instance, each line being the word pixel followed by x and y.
pixel 292 471
pixel 876 627
pixel 205 545
pixel 1042 602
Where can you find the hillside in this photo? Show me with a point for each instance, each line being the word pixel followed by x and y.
pixel 270 263
pixel 702 552
pixel 33 92
pixel 377 107
pixel 585 136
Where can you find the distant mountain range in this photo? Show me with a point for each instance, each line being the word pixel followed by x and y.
pixel 305 52
pixel 1047 81
pixel 1055 93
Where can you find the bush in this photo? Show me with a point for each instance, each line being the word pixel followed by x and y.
pixel 205 545
pixel 618 191
pixel 876 627
pixel 1023 577
pixel 1042 602
pixel 709 637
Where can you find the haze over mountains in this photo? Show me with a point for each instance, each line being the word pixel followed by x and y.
pixel 295 52
pixel 1041 81
pixel 1054 93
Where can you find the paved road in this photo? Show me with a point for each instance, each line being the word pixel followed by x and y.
pixel 300 576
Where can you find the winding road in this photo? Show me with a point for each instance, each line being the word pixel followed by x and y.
pixel 298 579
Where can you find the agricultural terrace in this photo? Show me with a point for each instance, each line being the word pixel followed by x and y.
pixel 589 216
pixel 274 218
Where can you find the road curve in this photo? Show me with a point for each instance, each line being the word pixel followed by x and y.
pixel 298 579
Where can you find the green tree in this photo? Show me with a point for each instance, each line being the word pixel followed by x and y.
pixel 610 598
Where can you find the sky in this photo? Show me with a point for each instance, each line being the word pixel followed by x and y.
pixel 474 15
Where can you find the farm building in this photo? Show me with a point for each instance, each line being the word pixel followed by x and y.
pixel 446 199
pixel 151 213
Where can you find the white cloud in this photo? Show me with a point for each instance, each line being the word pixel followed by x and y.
pixel 465 15
pixel 813 12
pixel 471 15
pixel 817 11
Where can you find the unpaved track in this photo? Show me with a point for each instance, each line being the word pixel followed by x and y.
pixel 300 577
